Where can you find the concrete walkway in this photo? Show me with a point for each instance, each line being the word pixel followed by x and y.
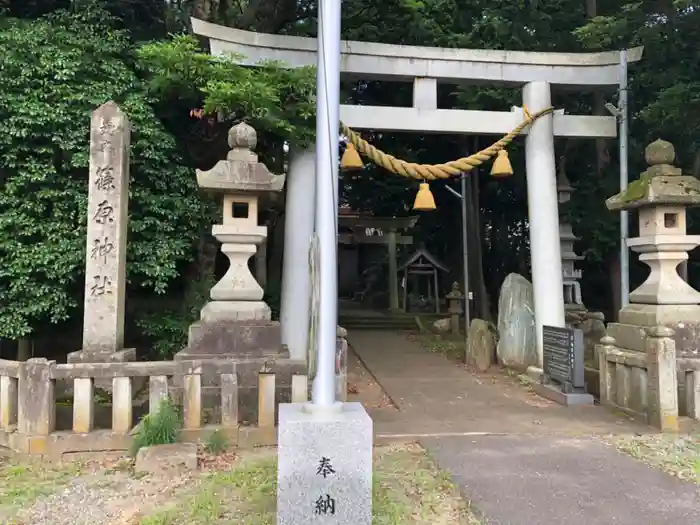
pixel 520 460
pixel 533 480
pixel 436 396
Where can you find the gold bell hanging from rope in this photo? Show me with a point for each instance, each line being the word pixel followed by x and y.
pixel 501 166
pixel 424 198
pixel 351 159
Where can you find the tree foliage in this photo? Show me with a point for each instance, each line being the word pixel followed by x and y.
pixel 63 58
pixel 56 70
pixel 274 100
pixel 663 95
pixel 663 98
pixel 277 102
pixel 665 85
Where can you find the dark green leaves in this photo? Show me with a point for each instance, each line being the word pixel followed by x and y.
pixel 55 71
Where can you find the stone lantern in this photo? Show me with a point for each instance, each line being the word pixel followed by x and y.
pixel 235 326
pixel 571 276
pixel 576 314
pixel 661 196
pixel 241 181
pixel 454 307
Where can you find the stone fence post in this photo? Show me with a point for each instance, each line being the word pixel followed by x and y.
pixel 607 344
pixel 662 403
pixel 37 408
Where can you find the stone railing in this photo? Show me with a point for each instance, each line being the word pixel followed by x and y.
pixel 28 405
pixel 623 378
pixel 689 382
pixel 650 384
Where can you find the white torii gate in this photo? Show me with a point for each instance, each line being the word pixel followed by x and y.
pixel 534 72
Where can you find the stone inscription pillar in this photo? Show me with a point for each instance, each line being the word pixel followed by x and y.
pixel 105 257
pixel 543 215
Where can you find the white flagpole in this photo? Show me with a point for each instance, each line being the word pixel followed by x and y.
pixel 326 217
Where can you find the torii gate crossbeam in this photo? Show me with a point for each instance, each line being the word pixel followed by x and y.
pixel 426 67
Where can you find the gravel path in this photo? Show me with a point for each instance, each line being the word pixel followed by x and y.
pixel 102 498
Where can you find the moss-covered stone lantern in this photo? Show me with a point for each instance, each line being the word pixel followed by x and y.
pixel 661 196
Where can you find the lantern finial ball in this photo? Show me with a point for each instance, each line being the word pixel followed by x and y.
pixel 242 135
pixel 660 152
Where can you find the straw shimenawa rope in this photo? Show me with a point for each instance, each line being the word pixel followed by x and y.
pixel 438 171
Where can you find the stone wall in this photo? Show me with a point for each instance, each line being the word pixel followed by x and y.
pixel 655 384
pixel 689 391
pixel 28 406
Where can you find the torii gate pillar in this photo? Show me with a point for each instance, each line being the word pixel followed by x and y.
pixel 299 227
pixel 543 216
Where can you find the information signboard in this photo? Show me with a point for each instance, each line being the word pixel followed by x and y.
pixel 563 357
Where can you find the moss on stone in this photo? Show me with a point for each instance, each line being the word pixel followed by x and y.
pixel 655 190
pixel 636 190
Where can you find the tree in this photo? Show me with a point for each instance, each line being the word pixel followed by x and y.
pixel 264 16
pixel 56 70
pixel 660 102
pixel 278 102
pixel 43 153
pixel 662 92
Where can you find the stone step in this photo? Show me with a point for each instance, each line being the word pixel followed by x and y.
pixel 383 324
pixel 385 321
pixel 398 317
pixel 379 325
pixel 382 327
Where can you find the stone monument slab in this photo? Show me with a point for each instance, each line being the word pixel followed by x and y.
pixel 481 345
pixel 324 465
pixel 517 341
pixel 562 356
pixel 563 370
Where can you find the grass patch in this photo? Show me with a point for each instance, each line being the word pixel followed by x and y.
pixel 408 489
pixel 159 428
pixel 245 495
pixel 216 443
pixel 22 483
pixel 438 344
pixel 676 455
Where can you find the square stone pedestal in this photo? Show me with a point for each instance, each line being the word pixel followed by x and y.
pixel 684 319
pixel 556 394
pixel 253 347
pixel 324 465
pixel 244 339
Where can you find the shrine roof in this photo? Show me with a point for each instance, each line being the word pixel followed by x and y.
pixel 412 259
